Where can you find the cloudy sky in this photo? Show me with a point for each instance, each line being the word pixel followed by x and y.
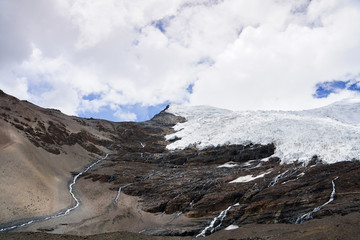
pixel 128 59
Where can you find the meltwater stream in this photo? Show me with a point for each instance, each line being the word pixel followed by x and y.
pixel 216 222
pixel 309 215
pixel 64 212
pixel 119 191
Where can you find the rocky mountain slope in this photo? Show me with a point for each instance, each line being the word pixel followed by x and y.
pixel 204 186
pixel 39 149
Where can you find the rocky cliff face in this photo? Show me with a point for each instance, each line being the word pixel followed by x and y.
pixel 202 191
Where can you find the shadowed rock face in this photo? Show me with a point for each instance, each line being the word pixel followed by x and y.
pixel 174 182
pixel 191 182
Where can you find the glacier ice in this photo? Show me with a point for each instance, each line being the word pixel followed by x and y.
pixel 332 133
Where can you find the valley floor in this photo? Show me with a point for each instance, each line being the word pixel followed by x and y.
pixel 106 236
pixel 333 227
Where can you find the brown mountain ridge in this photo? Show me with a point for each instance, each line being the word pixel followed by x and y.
pixel 143 187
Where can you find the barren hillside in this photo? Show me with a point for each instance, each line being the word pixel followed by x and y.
pixel 83 177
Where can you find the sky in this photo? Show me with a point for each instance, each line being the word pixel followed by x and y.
pixel 126 60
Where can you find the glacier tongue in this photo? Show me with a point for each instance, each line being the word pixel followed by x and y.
pixel 332 133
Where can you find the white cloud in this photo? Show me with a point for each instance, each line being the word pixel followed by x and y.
pixel 239 54
pixel 124 115
pixel 269 66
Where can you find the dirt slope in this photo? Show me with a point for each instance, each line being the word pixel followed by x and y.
pixel 35 165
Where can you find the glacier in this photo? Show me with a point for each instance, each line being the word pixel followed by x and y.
pixel 332 133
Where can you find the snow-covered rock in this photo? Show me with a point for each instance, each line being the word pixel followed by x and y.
pixel 231 227
pixel 228 165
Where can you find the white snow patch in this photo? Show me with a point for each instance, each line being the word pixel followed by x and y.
pixel 332 133
pixel 228 165
pixel 301 174
pixel 249 178
pixel 231 227
pixel 248 163
pixel 259 165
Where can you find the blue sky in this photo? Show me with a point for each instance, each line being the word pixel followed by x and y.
pixel 324 89
pixel 126 60
pixel 143 113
